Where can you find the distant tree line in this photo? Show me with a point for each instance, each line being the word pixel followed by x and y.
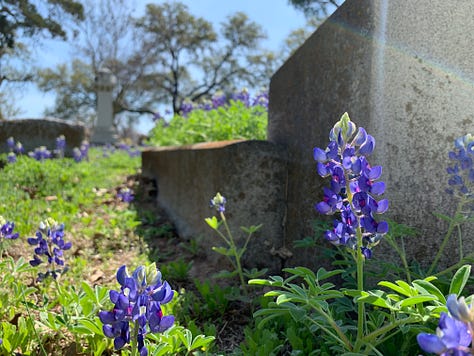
pixel 164 57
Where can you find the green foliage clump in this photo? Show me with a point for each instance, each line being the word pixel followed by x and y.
pixel 235 121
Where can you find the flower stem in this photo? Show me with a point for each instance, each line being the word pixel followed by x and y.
pixel 360 286
pixel 134 339
pixel 236 254
pixel 452 225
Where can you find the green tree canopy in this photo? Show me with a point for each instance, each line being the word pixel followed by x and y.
pixel 28 18
pixel 318 8
pixel 166 56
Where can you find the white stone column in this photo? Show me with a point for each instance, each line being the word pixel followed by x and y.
pixel 103 131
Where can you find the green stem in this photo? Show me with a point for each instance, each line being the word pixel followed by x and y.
pixel 342 337
pixel 360 288
pixel 134 339
pixel 370 338
pixel 32 324
pixel 236 255
pixel 401 254
pixel 452 224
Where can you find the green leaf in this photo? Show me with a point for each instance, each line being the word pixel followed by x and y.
pixel 396 288
pixel 460 279
pixel 416 300
pixel 251 229
pixel 201 341
pixel 212 222
pixel 223 251
pixel 424 287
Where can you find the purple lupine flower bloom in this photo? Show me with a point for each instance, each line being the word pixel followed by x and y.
pixel 352 188
pixel 218 202
pixel 60 145
pixel 219 99
pixel 452 338
pixel 459 309
pixel 6 229
pixel 461 170
pixel 11 143
pixel 261 99
pixel 138 303
pixel 19 150
pixel 242 96
pixel 40 154
pixel 125 195
pixel 186 108
pixel 82 153
pixel 49 242
pixel 11 157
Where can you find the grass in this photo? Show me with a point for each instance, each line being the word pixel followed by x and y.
pixel 106 233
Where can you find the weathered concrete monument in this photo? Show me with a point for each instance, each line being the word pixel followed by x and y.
pixel 402 70
pixel 103 131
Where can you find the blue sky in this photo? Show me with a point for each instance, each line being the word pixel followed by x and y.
pixel 276 17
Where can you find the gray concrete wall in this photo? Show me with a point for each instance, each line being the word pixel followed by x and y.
pixel 33 133
pixel 403 71
pixel 250 174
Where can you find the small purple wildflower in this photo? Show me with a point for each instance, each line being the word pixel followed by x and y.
pixel 352 188
pixel 261 100
pixel 218 202
pixel 242 96
pixel 126 195
pixel 6 229
pixel 137 304
pixel 40 154
pixel 219 99
pixel 82 153
pixel 452 337
pixel 19 150
pixel 11 157
pixel 60 146
pixel 11 143
pixel 461 171
pixel 49 241
pixel 186 108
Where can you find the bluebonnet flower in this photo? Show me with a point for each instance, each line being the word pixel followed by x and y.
pixel 82 153
pixel 40 154
pixel 219 99
pixel 186 108
pixel 49 242
pixel 461 171
pixel 11 157
pixel 125 195
pixel 218 202
pixel 138 303
pixel 452 337
pixel 11 143
pixel 261 99
pixel 19 150
pixel 6 229
pixel 242 96
pixel 60 146
pixel 352 189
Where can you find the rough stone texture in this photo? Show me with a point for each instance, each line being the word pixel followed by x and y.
pixel 403 71
pixel 33 133
pixel 250 174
